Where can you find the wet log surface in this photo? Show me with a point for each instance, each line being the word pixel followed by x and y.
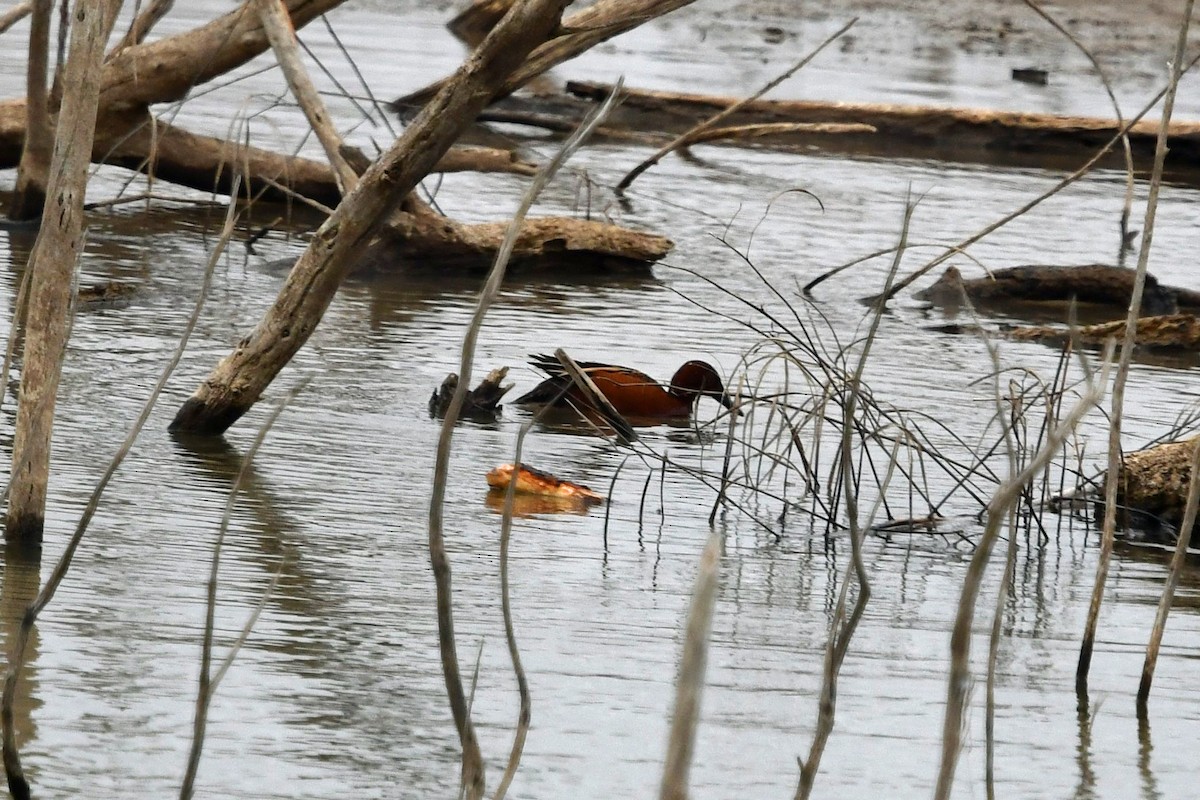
pixel 481 403
pixel 1102 292
pixel 547 243
pixel 1152 488
pixel 1170 332
pixel 955 134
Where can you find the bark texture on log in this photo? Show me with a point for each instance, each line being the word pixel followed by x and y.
pixel 34 169
pixel 240 378
pixel 1153 483
pixel 1102 285
pixel 962 134
pixel 543 243
pixel 1179 332
pixel 53 263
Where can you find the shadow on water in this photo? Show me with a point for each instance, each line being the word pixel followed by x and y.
pixel 274 535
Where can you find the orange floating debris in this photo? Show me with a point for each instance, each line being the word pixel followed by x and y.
pixel 536 482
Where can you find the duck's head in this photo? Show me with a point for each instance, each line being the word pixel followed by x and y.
pixel 698 378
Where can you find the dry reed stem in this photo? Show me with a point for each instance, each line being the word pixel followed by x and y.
pixel 839 638
pixel 997 511
pixel 524 715
pixel 1168 594
pixel 18 785
pixel 688 137
pixel 207 682
pixel 1112 97
pixel 606 409
pixel 690 684
pixel 142 24
pixel 15 14
pixel 1118 390
pixel 473 779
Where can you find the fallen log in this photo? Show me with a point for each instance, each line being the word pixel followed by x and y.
pixel 543 243
pixel 1170 332
pixel 1100 290
pixel 481 403
pixel 1152 489
pixel 954 134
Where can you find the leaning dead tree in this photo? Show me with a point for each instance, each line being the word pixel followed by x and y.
pixel 34 169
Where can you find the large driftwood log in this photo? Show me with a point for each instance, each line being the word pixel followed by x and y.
pixel 1106 288
pixel 240 378
pixel 545 243
pixel 956 134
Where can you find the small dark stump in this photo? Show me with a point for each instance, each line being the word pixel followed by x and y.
pixel 482 402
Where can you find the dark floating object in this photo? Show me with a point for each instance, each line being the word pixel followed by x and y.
pixel 105 293
pixel 1031 75
pixel 1105 289
pixel 482 401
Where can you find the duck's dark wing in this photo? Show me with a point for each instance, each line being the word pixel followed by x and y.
pixel 553 388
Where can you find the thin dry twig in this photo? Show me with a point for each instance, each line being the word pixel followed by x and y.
pixel 15 14
pixel 998 510
pixel 1118 390
pixel 472 775
pixel 698 130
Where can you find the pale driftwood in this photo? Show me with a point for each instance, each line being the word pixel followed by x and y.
pixel 543 243
pixel 964 134
pixel 239 380
pixel 15 14
pixel 1100 285
pixel 1168 332
pixel 34 169
pixel 768 129
pixel 58 246
pixel 581 31
pixel 211 164
pixel 281 34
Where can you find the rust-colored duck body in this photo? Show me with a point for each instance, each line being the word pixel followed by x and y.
pixel 633 394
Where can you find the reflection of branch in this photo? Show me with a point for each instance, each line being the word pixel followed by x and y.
pixel 208 684
pixel 12 763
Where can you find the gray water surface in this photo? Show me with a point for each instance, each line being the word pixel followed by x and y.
pixel 338 691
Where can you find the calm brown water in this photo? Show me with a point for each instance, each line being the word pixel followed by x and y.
pixel 339 691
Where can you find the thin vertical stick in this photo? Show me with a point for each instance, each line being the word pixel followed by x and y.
pixel 472 768
pixel 1168 594
pixel 1118 390
pixel 692 666
pixel 17 784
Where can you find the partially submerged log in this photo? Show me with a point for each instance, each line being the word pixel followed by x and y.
pixel 955 134
pixel 543 243
pixel 1106 289
pixel 1170 332
pixel 481 402
pixel 1152 488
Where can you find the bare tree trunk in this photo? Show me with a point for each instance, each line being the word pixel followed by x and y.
pixel 240 378
pixel 53 263
pixel 30 193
